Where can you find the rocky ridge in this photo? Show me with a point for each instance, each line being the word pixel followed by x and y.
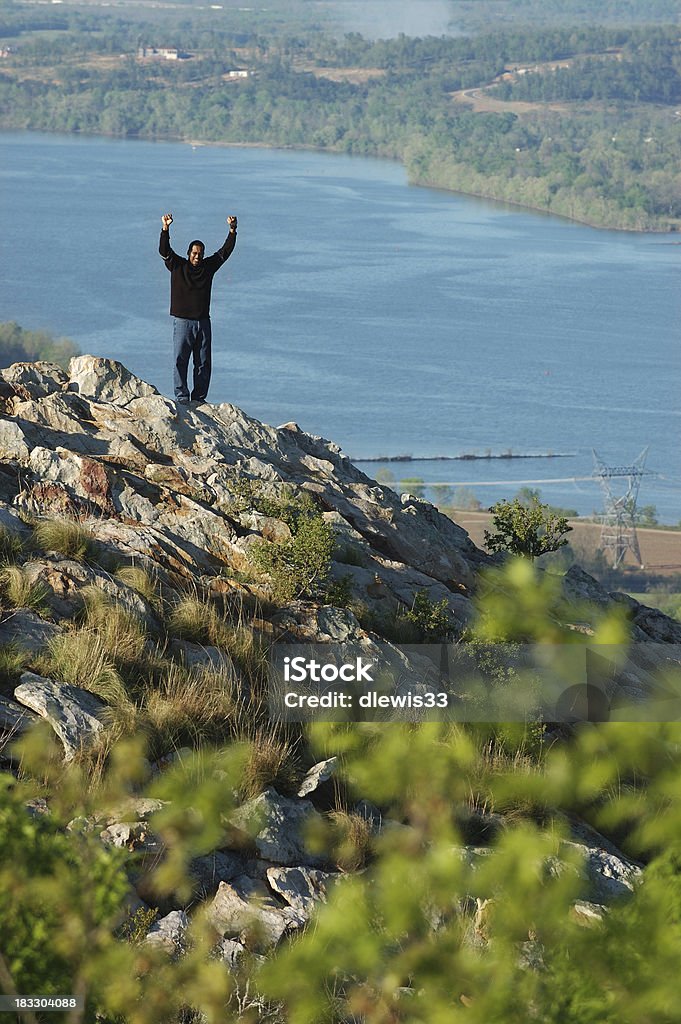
pixel 163 488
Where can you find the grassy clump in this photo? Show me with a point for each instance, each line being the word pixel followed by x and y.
pixel 138 579
pixel 18 590
pixel 351 836
pixel 11 546
pixel 198 621
pixel 13 661
pixel 79 657
pixel 66 537
pixel 271 761
pixel 189 708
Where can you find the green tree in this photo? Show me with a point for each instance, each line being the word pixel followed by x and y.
pixel 528 530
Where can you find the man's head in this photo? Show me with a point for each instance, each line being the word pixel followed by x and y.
pixel 195 252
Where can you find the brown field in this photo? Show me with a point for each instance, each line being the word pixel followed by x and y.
pixel 660 549
pixel 357 76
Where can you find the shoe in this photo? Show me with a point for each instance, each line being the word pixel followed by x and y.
pixel 181 401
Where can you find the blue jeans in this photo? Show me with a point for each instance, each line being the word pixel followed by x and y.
pixel 191 338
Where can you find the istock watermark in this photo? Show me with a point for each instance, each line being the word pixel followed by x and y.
pixel 561 683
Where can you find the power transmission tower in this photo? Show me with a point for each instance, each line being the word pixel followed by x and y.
pixel 618 529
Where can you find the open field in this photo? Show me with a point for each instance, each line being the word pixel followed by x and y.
pixel 660 549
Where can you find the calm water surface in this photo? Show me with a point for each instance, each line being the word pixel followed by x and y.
pixel 389 318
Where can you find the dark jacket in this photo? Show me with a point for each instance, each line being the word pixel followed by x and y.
pixel 190 286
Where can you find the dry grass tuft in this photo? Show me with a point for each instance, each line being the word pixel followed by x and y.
pixel 139 579
pixel 65 536
pixel 19 592
pixel 120 632
pixel 11 546
pixel 79 657
pixel 190 707
pixel 196 620
pixel 352 839
pixel 271 761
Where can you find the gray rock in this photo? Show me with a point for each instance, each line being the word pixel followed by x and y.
pixel 198 656
pixel 277 825
pixel 608 873
pixel 26 630
pixel 302 888
pixel 14 718
pixel 231 952
pixel 244 910
pixel 64 580
pixel 13 443
pixel 74 714
pixel 169 933
pixel 138 808
pixel 35 380
pixel 588 914
pixel 135 836
pixel 318 774
pixel 106 380
pixel 213 868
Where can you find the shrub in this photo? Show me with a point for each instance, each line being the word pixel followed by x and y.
pixel 20 345
pixel 300 566
pixel 339 591
pixel 433 621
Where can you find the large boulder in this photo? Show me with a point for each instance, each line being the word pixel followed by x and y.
pixel 74 714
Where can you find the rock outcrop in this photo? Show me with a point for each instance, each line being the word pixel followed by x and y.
pixel 170 489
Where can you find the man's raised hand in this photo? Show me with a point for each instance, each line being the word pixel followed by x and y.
pixel 231 220
pixel 167 220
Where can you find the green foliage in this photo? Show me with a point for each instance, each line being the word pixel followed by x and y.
pixel 299 566
pixel 525 530
pixel 426 935
pixel 465 498
pixel 647 515
pixel 432 619
pixel 414 485
pixel 136 926
pixel 18 345
pixel 610 161
pixel 63 892
pixel 339 591
pixel 425 932
pixel 49 878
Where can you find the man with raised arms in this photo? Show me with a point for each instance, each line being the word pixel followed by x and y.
pixel 191 280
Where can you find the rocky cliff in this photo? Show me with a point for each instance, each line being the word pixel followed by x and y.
pixel 183 494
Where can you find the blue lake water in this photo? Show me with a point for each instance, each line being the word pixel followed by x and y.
pixel 389 318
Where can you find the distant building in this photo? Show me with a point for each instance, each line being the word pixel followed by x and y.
pixel 238 73
pixel 162 53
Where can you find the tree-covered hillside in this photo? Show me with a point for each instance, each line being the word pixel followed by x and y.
pixel 595 135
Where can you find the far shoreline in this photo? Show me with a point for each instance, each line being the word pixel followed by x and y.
pixel 434 186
